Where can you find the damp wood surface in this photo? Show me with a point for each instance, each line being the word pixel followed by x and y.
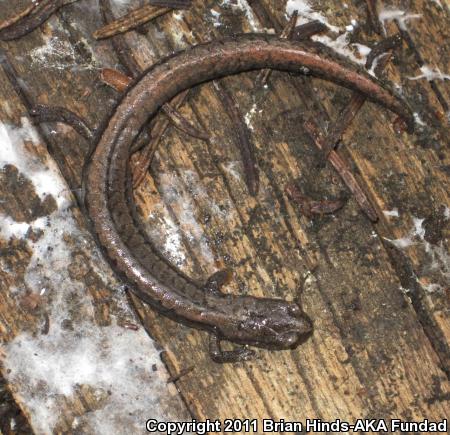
pixel 380 309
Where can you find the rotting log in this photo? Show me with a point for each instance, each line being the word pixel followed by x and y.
pixel 380 345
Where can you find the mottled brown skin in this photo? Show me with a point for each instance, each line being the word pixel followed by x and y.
pixel 266 323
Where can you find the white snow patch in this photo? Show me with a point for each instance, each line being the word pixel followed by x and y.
pixel 352 26
pixel 391 213
pixel 432 288
pixel 249 116
pixel 121 5
pixel 438 254
pixel 49 368
pixel 342 46
pixel 178 15
pixel 232 168
pixel 430 74
pixel 41 174
pixel 438 3
pixel 114 362
pixel 417 232
pixel 305 11
pixel 174 193
pixel 215 18
pixel 9 228
pixel 447 212
pixel 418 120
pixel 387 15
pixel 173 246
pixel 372 70
pixel 57 54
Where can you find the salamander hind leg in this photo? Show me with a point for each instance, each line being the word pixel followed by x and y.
pixel 221 356
pixel 217 280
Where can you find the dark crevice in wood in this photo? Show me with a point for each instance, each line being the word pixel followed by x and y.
pixel 12 418
pixel 408 278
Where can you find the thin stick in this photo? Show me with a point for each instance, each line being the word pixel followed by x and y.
pixel 309 206
pixel 343 169
pixel 421 62
pixel 174 4
pixel 15 18
pixel 244 138
pixel 143 162
pixel 120 83
pixel 305 31
pixel 372 15
pixel 42 113
pixel 137 18
pixel 357 100
pixel 180 122
pixel 31 18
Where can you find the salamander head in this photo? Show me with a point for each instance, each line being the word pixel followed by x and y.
pixel 268 323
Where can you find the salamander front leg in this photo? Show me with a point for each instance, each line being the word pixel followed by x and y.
pixel 227 356
pixel 217 280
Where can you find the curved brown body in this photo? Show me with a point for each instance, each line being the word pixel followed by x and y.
pixel 269 323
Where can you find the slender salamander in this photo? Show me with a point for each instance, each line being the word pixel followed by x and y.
pixel 247 320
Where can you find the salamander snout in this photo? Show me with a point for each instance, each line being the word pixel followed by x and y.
pixel 297 328
pixel 271 323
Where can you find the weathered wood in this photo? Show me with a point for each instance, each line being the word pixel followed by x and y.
pixel 376 352
pixel 69 345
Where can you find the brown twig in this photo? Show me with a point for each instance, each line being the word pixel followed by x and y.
pixel 305 31
pixel 138 17
pixel 357 100
pixel 382 47
pixel 174 4
pixel 243 137
pixel 120 83
pixel 309 206
pixel 180 122
pixel 372 16
pixel 144 160
pixel 343 169
pixel 30 18
pixel 15 18
pixel 183 372
pixel 115 79
pixel 421 62
pixel 118 42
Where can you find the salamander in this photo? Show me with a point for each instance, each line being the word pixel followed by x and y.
pixel 245 320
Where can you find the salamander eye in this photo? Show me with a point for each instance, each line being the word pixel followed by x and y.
pixel 295 310
pixel 290 339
